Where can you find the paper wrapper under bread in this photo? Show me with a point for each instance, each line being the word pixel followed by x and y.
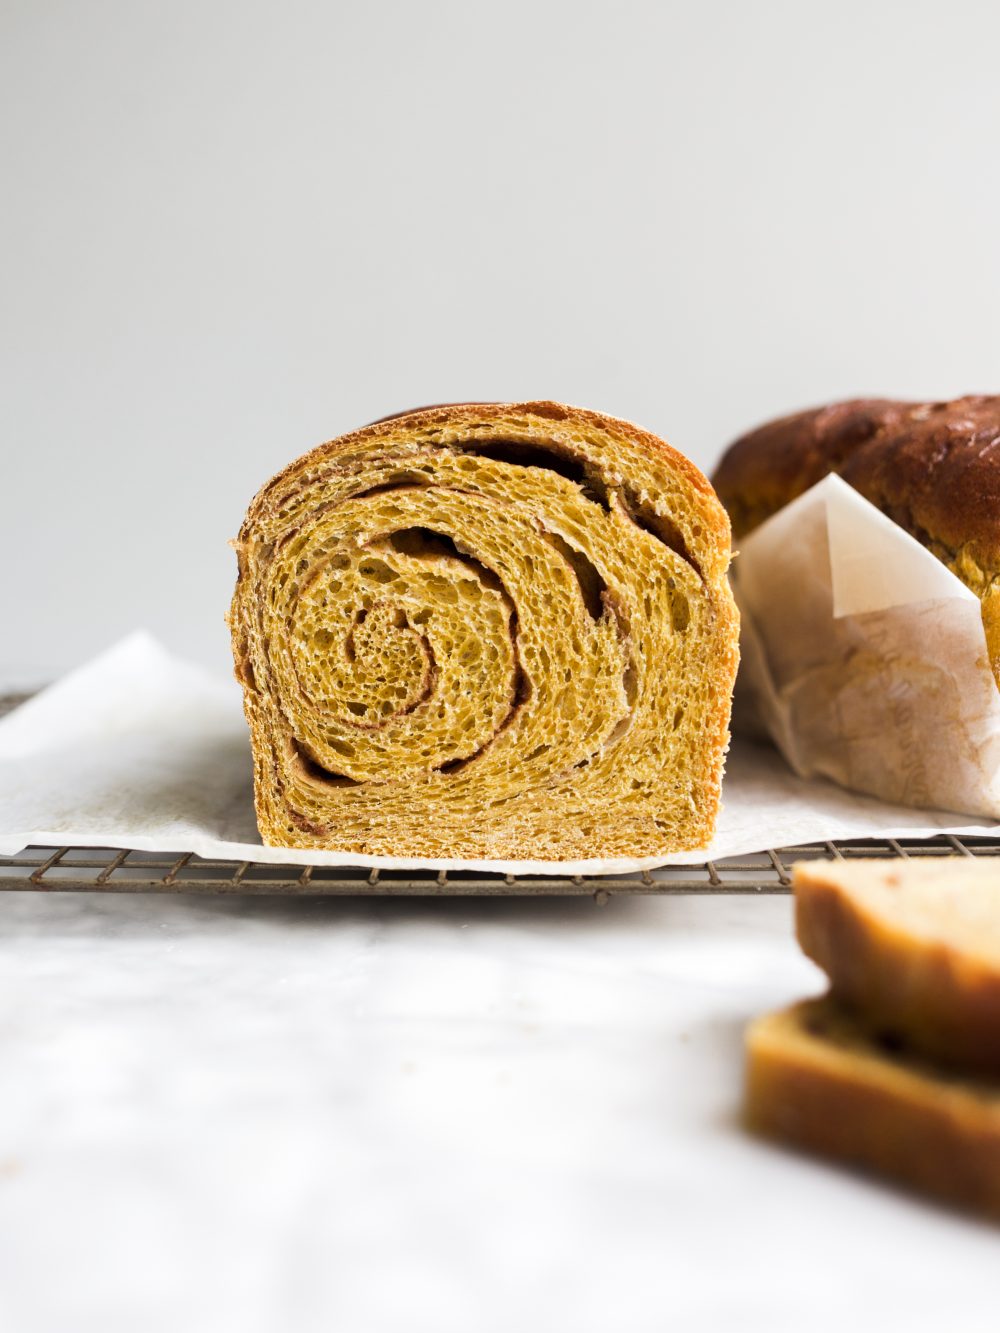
pixel 864 657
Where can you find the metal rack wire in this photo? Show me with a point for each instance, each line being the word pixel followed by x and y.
pixel 107 870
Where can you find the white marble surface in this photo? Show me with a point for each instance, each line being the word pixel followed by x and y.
pixel 493 1115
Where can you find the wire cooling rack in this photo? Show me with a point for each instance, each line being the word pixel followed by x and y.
pixel 107 870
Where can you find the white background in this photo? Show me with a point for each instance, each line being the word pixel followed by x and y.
pixel 232 230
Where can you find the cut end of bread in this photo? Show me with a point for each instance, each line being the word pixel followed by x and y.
pixel 487 631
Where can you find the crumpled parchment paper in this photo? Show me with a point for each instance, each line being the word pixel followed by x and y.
pixel 864 657
pixel 143 750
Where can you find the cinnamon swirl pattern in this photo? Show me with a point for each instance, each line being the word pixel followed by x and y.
pixel 487 631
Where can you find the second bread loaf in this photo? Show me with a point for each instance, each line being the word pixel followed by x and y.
pixel 933 468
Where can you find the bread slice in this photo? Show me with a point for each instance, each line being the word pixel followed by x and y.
pixel 818 1080
pixel 487 630
pixel 912 945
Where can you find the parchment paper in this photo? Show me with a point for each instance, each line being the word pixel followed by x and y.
pixel 865 658
pixel 140 749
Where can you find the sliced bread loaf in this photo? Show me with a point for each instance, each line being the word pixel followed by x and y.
pixel 914 946
pixel 818 1079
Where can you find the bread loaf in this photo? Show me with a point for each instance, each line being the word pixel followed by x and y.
pixel 934 468
pixel 914 946
pixel 818 1079
pixel 487 631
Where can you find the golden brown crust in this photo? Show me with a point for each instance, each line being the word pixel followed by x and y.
pixel 908 946
pixel 549 524
pixel 818 1081
pixel 714 551
pixel 933 468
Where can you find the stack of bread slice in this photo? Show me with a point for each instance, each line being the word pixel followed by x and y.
pixel 897 1069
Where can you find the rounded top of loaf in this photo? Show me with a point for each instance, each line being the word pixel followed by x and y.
pixel 933 467
pixel 619 448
